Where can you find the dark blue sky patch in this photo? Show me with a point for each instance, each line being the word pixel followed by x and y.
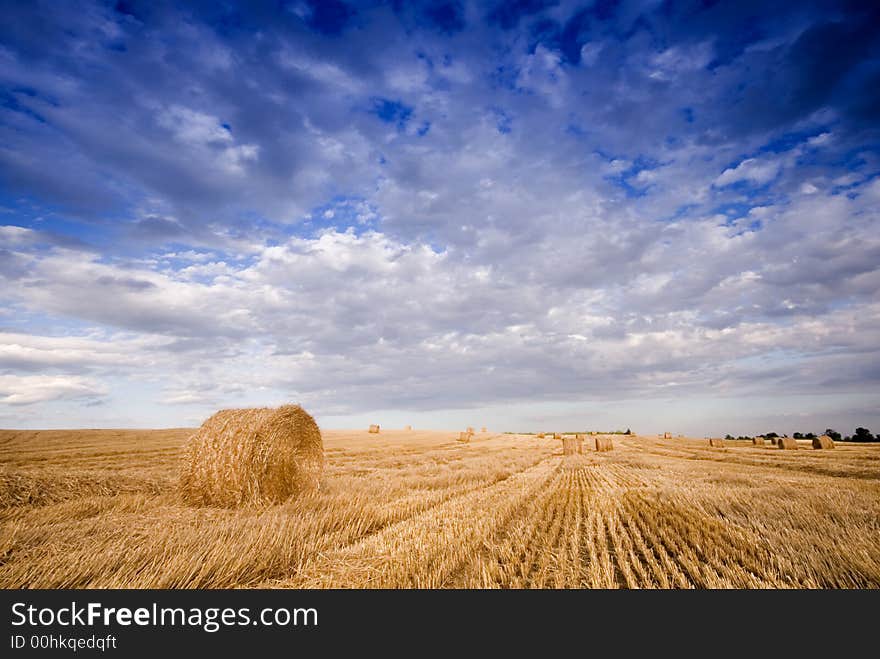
pixel 392 112
pixel 503 121
pixel 575 129
pixel 508 14
pixel 329 17
pixel 790 139
pixel 9 100
pixel 136 9
pixel 447 17
pixel 568 38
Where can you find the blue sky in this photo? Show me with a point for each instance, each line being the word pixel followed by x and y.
pixel 661 215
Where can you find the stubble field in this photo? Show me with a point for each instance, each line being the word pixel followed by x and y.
pixel 99 508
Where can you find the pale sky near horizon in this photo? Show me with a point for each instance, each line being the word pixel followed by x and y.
pixel 527 215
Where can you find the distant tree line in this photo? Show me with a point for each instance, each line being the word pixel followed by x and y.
pixel 860 435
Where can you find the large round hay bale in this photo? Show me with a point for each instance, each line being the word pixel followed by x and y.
pixel 374 429
pixel 823 441
pixel 716 443
pixel 787 443
pixel 252 456
pixel 569 446
pixel 604 444
pixel 758 441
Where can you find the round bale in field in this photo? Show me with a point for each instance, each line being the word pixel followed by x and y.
pixel 823 441
pixel 252 456
pixel 787 443
pixel 604 444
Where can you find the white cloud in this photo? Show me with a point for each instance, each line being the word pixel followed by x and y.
pixel 750 169
pixel 30 389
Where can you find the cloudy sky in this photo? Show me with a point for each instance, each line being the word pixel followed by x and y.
pixel 663 215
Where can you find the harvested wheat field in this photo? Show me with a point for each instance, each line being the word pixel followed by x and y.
pixel 401 509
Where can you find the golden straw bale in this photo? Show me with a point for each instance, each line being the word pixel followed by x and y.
pixel 758 441
pixel 716 443
pixel 374 429
pixel 787 443
pixel 569 446
pixel 823 441
pixel 252 456
pixel 465 436
pixel 603 443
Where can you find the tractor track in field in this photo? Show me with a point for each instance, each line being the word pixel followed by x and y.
pixel 367 557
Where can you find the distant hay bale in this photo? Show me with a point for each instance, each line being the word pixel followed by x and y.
pixel 716 443
pixel 374 429
pixel 470 430
pixel 773 441
pixel 823 441
pixel 465 436
pixel 667 435
pixel 758 441
pixel 579 435
pixel 407 427
pixel 540 435
pixel 483 429
pixel 604 444
pixel 252 456
pixel 579 439
pixel 556 435
pixel 786 443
